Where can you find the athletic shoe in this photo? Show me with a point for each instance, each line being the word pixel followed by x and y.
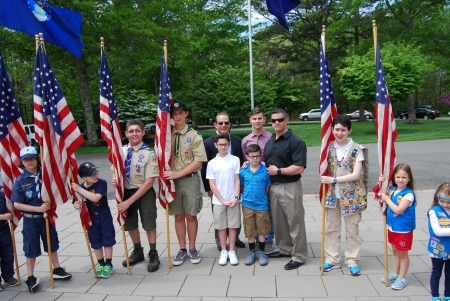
pixel 251 258
pixel 262 258
pixel 233 257
pixel 446 298
pixel 108 270
pixel 399 283
pixel 179 259
pixel 1 287
pixel 194 256
pixel 60 273
pixel 13 281
pixel 328 267
pixel 223 257
pixel 438 299
pixel 391 278
pixel 354 270
pixel 32 282
pixel 136 256
pixel 99 271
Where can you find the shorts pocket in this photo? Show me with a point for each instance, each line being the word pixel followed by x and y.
pixel 199 198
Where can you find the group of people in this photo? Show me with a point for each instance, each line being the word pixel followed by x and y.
pixel 261 173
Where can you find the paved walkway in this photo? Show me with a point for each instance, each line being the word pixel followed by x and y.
pixel 208 281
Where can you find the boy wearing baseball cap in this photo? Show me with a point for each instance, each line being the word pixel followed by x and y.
pixel 26 196
pixel 101 233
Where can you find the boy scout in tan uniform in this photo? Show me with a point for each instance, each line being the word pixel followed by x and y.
pixel 139 195
pixel 187 157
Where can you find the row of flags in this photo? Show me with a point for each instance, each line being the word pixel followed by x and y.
pixel 58 134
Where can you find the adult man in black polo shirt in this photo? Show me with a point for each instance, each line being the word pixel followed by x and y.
pixel 285 156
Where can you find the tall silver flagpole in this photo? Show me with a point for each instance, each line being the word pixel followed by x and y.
pixel 250 52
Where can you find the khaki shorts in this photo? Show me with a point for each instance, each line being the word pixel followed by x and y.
pixel 226 217
pixel 256 222
pixel 189 197
pixel 146 205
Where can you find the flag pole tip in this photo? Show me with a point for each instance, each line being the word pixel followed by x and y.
pixel 102 42
pixel 323 28
pixel 374 23
pixel 165 42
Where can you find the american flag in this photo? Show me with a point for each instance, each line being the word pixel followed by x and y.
pixel 110 127
pixel 12 139
pixel 163 135
pixel 328 112
pixel 385 126
pixel 57 133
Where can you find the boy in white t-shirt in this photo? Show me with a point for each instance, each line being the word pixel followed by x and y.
pixel 223 175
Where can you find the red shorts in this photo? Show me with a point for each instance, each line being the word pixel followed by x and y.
pixel 402 241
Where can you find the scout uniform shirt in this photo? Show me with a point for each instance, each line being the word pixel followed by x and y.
pixel 187 147
pixel 143 165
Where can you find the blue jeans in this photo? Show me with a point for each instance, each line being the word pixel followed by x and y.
pixel 436 272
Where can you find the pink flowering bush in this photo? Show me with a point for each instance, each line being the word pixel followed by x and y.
pixel 445 99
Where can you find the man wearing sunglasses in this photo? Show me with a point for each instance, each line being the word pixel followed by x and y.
pixel 223 126
pixel 285 157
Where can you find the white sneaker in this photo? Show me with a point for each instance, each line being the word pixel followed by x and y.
pixel 233 258
pixel 223 257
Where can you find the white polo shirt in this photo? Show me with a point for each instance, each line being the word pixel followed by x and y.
pixel 224 171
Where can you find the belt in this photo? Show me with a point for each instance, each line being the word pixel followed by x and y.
pixel 95 213
pixel 33 215
pixel 133 190
pixel 277 183
pixel 1 226
pixel 190 175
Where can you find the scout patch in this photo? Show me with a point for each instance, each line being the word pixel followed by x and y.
pixel 29 193
pixel 138 168
pixel 189 140
pixel 155 169
pixel 200 137
pixel 186 153
pixel 141 158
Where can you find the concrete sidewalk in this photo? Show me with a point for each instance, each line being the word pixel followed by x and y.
pixel 208 281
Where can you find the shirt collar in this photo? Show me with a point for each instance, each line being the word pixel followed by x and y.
pixel 136 147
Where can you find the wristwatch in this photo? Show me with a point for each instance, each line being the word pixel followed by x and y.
pixel 334 180
pixel 236 197
pixel 279 171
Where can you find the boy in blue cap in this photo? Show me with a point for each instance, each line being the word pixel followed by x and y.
pixel 6 247
pixel 101 233
pixel 26 196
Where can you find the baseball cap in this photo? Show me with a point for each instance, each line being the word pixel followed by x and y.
pixel 28 152
pixel 178 105
pixel 86 169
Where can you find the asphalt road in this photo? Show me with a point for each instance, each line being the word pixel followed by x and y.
pixel 429 161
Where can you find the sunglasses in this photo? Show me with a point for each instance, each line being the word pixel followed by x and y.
pixel 223 122
pixel 442 198
pixel 280 120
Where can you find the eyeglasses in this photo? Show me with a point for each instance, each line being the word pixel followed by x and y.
pixel 223 145
pixel 280 120
pixel 254 157
pixel 442 198
pixel 223 122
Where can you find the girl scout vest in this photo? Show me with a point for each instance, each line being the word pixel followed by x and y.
pixel 439 245
pixel 406 221
pixel 353 194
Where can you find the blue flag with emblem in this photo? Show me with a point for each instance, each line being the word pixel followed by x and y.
pixel 60 26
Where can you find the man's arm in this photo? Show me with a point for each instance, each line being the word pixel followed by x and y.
pixel 287 171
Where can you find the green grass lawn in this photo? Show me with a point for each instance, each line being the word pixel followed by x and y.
pixel 363 132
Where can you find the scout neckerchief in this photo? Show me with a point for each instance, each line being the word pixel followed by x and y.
pixel 176 145
pixel 128 161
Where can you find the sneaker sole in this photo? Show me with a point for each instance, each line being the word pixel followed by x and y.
pixel 354 274
pixel 179 262
pixel 249 263
pixel 31 289
pixel 234 263
pixel 389 282
pixel 399 288
pixel 195 261
pixel 62 277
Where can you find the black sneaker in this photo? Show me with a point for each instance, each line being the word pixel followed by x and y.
pixel 32 282
pixel 136 256
pixel 13 281
pixel 61 273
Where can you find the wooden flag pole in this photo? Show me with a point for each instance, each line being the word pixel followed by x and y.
pixel 47 229
pixel 169 261
pixel 322 257
pixel 85 235
pixel 127 259
pixel 13 238
pixel 385 247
